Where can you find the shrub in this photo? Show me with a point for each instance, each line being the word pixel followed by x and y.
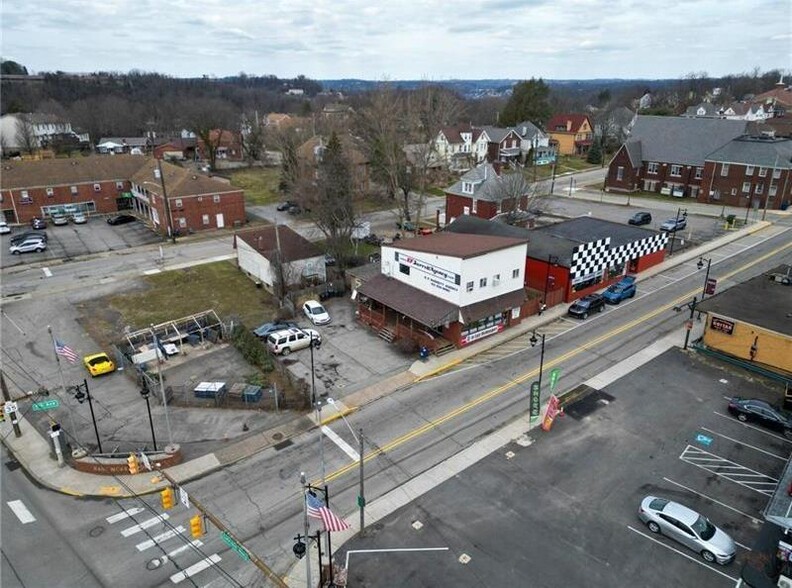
pixel 251 348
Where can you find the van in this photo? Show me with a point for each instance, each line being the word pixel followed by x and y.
pixel 288 340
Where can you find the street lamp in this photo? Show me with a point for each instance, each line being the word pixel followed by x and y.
pixel 317 405
pixel 81 394
pixel 689 324
pixel 534 340
pixel 361 497
pixel 700 265
pixel 145 392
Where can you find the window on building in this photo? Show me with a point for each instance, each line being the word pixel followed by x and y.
pixel 483 283
pixel 676 170
pixel 120 185
pixel 97 187
pixel 73 190
pixel 50 192
pixel 619 174
pixel 746 187
pixel 25 197
pixel 734 191
pixel 749 169
pixel 724 169
pixel 496 279
pixel 516 273
pixel 178 203
pixel 216 198
pixel 205 219
pixel 759 188
pixel 771 191
pixel 699 173
pixel 762 172
pixel 776 174
pixel 153 198
pixel 469 287
pixel 405 269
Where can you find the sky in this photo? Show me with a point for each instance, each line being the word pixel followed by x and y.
pixel 401 39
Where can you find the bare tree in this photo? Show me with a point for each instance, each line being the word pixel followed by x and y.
pixel 287 141
pixel 252 137
pixel 26 134
pixel 208 118
pixel 514 193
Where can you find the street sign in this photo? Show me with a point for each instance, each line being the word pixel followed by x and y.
pixel 712 283
pixel 535 400
pixel 46 405
pixel 10 407
pixel 183 497
pixel 555 373
pixel 236 547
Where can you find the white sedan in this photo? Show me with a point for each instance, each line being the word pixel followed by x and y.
pixel 316 313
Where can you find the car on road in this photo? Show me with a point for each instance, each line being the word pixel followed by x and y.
pixel 28 245
pixel 585 306
pixel 624 288
pixel 38 223
pixel 640 218
pixel 98 364
pixel 263 331
pixel 316 313
pixel 59 220
pixel 762 413
pixel 329 259
pixel 674 224
pixel 687 527
pixel 78 218
pixel 405 226
pixel 294 339
pixel 283 206
pixel 16 239
pixel 121 219
pixel 4 228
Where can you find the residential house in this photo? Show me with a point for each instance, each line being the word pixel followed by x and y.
pixel 278 120
pixel 573 133
pixel 751 171
pixel 445 290
pixel 229 145
pixel 703 110
pixel 455 146
pixel 177 148
pixel 45 129
pixel 645 101
pixel 780 125
pixel 131 145
pixel 614 125
pixel 274 253
pixel 535 144
pixel 744 111
pixel 106 185
pixel 312 151
pixel 503 145
pixel 777 101
pixel 482 192
pixel 665 154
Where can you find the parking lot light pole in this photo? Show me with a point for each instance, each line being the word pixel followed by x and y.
pixel 700 265
pixel 144 392
pixel 534 340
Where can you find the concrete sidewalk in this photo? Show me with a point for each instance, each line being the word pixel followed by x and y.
pixel 33 452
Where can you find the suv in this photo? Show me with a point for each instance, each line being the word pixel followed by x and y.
pixel 640 218
pixel 674 224
pixel 586 305
pixel 28 245
pixel 288 340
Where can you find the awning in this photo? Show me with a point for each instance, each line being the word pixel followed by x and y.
pixel 485 308
pixel 414 303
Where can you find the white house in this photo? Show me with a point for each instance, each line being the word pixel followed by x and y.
pixel 44 127
pixel 454 146
pixel 133 145
pixel 259 250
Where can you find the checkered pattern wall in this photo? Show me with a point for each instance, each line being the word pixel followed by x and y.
pixel 593 258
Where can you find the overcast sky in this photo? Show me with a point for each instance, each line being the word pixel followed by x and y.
pixel 401 39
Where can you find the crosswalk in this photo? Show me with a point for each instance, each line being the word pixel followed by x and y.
pixel 168 537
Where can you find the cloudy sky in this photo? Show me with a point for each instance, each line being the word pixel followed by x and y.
pixel 401 39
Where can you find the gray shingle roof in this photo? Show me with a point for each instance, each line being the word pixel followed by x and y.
pixel 496 134
pixel 634 152
pixel 473 225
pixel 458 245
pixel 707 108
pixel 527 130
pixel 485 183
pixel 683 140
pixel 758 151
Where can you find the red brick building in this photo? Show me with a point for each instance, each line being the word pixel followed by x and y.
pixel 105 185
pixel 482 192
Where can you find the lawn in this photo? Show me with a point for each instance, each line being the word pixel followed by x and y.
pixel 259 183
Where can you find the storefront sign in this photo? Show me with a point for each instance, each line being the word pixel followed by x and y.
pixel 480 334
pixel 438 273
pixel 535 400
pixel 722 325
pixel 553 410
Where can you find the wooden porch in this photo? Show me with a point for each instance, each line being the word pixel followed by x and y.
pixel 392 326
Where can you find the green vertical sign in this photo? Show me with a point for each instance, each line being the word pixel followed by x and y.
pixel 535 400
pixel 555 373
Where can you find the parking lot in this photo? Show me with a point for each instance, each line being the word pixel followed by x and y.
pixel 69 241
pixel 563 510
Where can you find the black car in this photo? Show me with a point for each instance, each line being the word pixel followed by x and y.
pixel 264 330
pixel 587 305
pixel 16 239
pixel 762 413
pixel 38 223
pixel 121 219
pixel 285 205
pixel 640 218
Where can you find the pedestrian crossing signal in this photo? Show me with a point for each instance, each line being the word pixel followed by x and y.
pixel 132 463
pixel 168 499
pixel 196 526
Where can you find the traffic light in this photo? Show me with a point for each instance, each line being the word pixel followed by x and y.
pixel 132 463
pixel 168 499
pixel 196 526
pixel 2 412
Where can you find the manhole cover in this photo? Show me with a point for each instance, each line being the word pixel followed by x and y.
pixel 154 564
pixel 277 436
pixel 96 531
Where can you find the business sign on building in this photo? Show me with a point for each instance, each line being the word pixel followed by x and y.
pixel 722 325
pixel 440 278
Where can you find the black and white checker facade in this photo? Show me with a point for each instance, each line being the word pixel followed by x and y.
pixel 593 258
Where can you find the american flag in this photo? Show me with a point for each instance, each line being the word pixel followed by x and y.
pixel 65 351
pixel 318 510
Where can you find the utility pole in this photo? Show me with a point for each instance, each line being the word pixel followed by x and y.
pixel 13 413
pixel 159 351
pixel 168 215
pixel 362 497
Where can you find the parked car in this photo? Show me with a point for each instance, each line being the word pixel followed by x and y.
pixel 121 219
pixel 587 305
pixel 288 340
pixel 624 288
pixel 59 220
pixel 762 413
pixel 78 218
pixel 38 223
pixel 263 331
pixel 405 225
pixel 640 218
pixel 674 224
pixel 28 245
pixel 4 228
pixel 687 527
pixel 16 239
pixel 294 209
pixel 285 205
pixel 316 313
pixel 425 230
pixel 98 364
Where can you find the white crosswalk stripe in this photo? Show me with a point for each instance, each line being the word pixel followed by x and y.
pixel 195 568
pixel 21 511
pixel 160 538
pixel 145 525
pixel 130 512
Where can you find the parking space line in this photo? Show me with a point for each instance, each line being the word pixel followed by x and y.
pixel 723 504
pixel 730 470
pixel 21 511
pixel 47 272
pixel 734 420
pixel 784 459
pixel 685 555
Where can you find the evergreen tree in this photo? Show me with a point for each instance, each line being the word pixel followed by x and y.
pixel 595 152
pixel 529 101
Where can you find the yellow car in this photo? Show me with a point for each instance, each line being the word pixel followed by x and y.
pixel 98 364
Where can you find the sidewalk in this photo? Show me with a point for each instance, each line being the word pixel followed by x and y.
pixel 32 449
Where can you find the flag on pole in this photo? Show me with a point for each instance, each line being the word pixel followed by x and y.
pixel 318 510
pixel 65 351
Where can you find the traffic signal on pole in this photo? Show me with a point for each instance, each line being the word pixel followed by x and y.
pixel 2 412
pixel 196 526
pixel 132 463
pixel 168 499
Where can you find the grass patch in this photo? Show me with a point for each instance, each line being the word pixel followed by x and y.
pixel 259 183
pixel 174 294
